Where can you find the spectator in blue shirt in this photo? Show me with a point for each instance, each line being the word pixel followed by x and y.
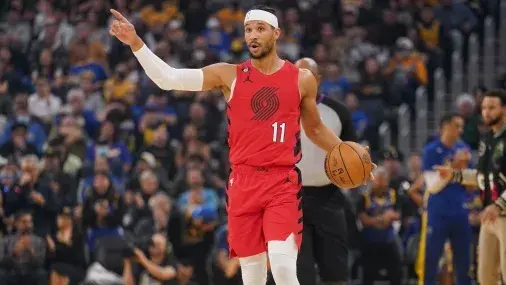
pixel 197 198
pixel 334 84
pixel 359 117
pixel 219 41
pixel 199 205
pixel 36 133
pixel 87 118
pixel 110 146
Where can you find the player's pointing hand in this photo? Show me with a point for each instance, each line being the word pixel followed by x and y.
pixel 122 29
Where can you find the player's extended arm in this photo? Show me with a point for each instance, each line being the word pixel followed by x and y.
pixel 313 126
pixel 169 78
pixel 466 177
pixel 162 74
pixel 442 174
pixel 434 181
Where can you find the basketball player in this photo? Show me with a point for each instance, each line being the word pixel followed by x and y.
pixel 490 177
pixel 325 229
pixel 446 215
pixel 267 98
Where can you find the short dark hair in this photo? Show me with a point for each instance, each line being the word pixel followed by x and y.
pixel 497 94
pixel 448 119
pixel 21 213
pixel 264 8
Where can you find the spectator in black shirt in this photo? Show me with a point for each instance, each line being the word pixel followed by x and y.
pixel 196 161
pixel 147 161
pixel 148 188
pixel 32 194
pixel 164 219
pixel 157 267
pixel 22 255
pixel 162 149
pixel 18 146
pixel 66 250
pixel 391 159
pixel 63 185
pixel 103 210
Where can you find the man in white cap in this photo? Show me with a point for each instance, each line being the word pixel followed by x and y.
pixel 268 98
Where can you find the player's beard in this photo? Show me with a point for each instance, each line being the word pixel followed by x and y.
pixel 266 50
pixel 495 121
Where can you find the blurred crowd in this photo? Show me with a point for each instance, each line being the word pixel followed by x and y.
pixel 108 180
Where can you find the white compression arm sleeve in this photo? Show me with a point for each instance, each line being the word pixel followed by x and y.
pixel 433 181
pixel 167 77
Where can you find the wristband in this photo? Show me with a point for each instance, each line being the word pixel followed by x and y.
pixel 501 203
pixel 457 176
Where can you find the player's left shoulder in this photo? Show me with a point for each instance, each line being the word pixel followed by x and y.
pixel 307 83
pixel 430 148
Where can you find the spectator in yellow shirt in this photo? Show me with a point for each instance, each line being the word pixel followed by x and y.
pixel 119 88
pixel 159 13
pixel 230 18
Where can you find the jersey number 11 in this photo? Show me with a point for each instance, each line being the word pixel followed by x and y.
pixel 275 127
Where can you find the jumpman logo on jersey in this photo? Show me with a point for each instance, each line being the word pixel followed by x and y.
pixel 231 181
pixel 247 79
pixel 265 103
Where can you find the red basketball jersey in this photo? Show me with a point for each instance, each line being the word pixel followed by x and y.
pixel 263 117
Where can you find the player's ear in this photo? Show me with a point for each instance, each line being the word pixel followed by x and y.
pixel 277 33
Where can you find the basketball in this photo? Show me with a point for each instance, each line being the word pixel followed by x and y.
pixel 348 165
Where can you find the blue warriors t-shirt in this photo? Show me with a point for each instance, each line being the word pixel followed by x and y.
pixel 375 206
pixel 452 199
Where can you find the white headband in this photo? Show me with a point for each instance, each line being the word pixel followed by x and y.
pixel 261 15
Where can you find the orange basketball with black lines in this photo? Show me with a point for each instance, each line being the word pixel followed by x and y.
pixel 348 165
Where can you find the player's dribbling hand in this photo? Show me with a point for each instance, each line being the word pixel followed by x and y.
pixel 371 175
pixel 122 29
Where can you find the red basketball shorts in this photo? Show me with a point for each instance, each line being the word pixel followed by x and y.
pixel 263 205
